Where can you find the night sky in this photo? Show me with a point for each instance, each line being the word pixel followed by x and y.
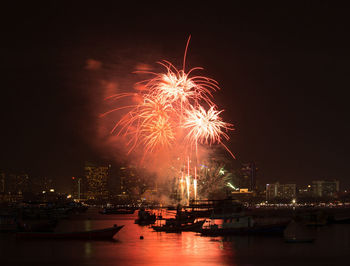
pixel 284 72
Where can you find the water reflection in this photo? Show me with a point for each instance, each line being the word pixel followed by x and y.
pixel 87 249
pixel 158 248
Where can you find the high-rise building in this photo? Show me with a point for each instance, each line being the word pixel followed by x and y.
pixel 133 183
pixel 249 176
pixel 2 182
pixel 282 191
pixel 96 178
pixel 325 188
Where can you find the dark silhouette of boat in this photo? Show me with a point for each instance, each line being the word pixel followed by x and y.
pixel 314 218
pixel 145 217
pixel 100 234
pixel 116 211
pixel 242 225
pixel 179 227
pixel 297 232
pixel 299 240
pixel 8 223
pixel 341 218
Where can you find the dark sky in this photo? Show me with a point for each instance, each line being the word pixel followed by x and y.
pixel 284 73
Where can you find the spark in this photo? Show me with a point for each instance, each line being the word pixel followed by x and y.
pixel 206 127
pixel 174 111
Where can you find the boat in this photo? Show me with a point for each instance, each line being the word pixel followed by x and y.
pixel 116 211
pixel 297 233
pixel 341 218
pixel 314 218
pixel 299 240
pixel 179 227
pixel 145 217
pixel 37 225
pixel 8 223
pixel 100 234
pixel 13 223
pixel 239 224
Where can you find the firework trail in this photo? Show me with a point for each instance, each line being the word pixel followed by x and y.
pixel 175 109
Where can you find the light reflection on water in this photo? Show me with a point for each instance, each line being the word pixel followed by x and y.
pixel 188 248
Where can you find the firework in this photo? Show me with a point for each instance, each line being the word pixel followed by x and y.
pixel 174 109
pixel 205 127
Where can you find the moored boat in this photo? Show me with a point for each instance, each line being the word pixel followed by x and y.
pixel 100 234
pixel 297 232
pixel 116 211
pixel 178 228
pixel 145 217
pixel 240 225
pixel 339 218
pixel 8 223
pixel 299 240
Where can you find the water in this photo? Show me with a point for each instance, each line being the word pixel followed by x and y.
pixel 331 247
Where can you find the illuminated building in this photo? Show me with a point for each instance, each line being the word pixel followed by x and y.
pixel 325 188
pixel 282 191
pixel 305 191
pixel 96 179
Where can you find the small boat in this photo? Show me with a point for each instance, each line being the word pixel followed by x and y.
pixel 294 240
pixel 8 223
pixel 314 218
pixel 297 233
pixel 116 211
pixel 100 234
pixel 242 225
pixel 37 225
pixel 339 219
pixel 178 228
pixel 145 218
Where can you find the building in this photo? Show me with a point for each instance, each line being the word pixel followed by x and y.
pixel 134 182
pixel 14 185
pixel 281 191
pixel 305 192
pixel 249 176
pixel 2 182
pixel 325 188
pixel 96 180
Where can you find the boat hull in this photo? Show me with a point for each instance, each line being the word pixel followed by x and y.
pixel 275 229
pixel 117 211
pixel 101 234
pixel 299 240
pixel 195 227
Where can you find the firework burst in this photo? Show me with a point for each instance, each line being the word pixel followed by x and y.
pixel 174 109
pixel 205 127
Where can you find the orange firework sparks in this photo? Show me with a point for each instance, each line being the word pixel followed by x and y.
pixel 174 107
pixel 179 88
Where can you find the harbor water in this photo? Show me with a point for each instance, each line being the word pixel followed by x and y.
pixel 331 247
